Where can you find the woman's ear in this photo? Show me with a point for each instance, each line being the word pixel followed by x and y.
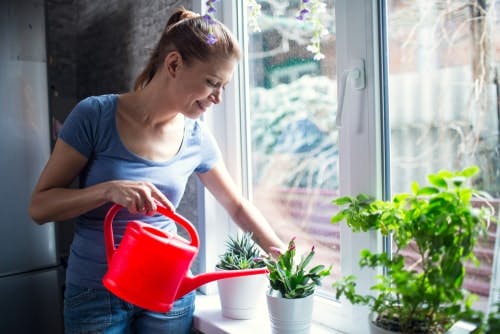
pixel 172 63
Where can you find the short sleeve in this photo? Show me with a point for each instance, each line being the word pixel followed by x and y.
pixel 80 127
pixel 210 152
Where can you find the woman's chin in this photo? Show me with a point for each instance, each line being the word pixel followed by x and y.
pixel 194 115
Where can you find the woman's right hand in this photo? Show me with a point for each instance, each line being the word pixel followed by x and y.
pixel 54 199
pixel 137 196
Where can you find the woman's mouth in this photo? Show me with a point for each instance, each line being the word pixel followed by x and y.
pixel 203 106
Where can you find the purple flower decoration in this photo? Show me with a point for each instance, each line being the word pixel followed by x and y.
pixel 209 16
pixel 302 14
pixel 210 4
pixel 211 39
pixel 208 19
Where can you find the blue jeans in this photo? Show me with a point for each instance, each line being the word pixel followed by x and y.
pixel 98 311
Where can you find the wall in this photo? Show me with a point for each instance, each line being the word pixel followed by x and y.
pixel 98 47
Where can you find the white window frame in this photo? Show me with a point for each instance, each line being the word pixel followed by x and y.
pixel 224 122
pixel 361 165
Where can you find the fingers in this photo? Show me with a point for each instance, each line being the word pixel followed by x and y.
pixel 150 197
pixel 162 199
pixel 139 196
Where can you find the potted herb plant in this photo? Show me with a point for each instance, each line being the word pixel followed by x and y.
pixel 441 224
pixel 291 291
pixel 238 296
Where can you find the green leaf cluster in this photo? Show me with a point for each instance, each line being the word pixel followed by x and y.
pixel 291 279
pixel 241 253
pixel 441 224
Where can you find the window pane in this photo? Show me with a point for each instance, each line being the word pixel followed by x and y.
pixel 444 101
pixel 293 136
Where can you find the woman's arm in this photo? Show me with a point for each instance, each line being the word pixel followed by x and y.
pixel 245 214
pixel 53 200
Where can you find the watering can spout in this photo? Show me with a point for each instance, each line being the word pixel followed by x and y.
pixel 190 283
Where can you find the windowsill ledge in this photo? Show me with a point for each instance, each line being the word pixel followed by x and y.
pixel 208 319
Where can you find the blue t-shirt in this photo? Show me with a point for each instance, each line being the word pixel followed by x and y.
pixel 91 129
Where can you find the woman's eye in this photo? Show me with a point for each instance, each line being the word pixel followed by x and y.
pixel 211 83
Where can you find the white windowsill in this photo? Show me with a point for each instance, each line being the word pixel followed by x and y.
pixel 209 320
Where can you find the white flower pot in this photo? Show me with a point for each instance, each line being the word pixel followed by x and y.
pixel 239 295
pixel 290 316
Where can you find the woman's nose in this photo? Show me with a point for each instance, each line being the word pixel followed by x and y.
pixel 216 96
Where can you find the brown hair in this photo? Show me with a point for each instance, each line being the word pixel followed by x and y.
pixel 187 33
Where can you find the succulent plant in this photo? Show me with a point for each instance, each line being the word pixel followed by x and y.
pixel 241 253
pixel 291 279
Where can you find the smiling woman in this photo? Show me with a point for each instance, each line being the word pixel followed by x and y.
pixel 137 150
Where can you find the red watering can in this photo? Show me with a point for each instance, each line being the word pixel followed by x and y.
pixel 150 267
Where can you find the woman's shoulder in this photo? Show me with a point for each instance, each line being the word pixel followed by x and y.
pixel 92 112
pixel 95 109
pixel 98 102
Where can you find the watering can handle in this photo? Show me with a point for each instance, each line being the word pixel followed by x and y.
pixel 108 228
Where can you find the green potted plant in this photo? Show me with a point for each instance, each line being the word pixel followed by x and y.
pixel 292 286
pixel 238 296
pixel 440 222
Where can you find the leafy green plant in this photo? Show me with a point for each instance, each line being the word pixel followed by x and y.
pixel 441 224
pixel 290 279
pixel 241 253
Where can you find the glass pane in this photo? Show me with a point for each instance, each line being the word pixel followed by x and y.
pixel 444 102
pixel 293 136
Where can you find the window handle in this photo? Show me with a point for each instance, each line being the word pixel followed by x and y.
pixel 356 74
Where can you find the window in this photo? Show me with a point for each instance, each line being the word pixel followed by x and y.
pixel 422 103
pixel 292 132
pixel 314 113
pixel 444 102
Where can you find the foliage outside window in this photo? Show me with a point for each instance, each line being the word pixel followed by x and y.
pixel 308 16
pixel 444 103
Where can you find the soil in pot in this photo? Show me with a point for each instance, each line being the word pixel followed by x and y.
pixel 391 324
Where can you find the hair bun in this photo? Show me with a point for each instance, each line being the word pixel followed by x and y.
pixel 179 15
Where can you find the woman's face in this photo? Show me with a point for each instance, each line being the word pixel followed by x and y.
pixel 199 85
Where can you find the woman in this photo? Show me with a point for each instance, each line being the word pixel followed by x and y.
pixel 134 149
